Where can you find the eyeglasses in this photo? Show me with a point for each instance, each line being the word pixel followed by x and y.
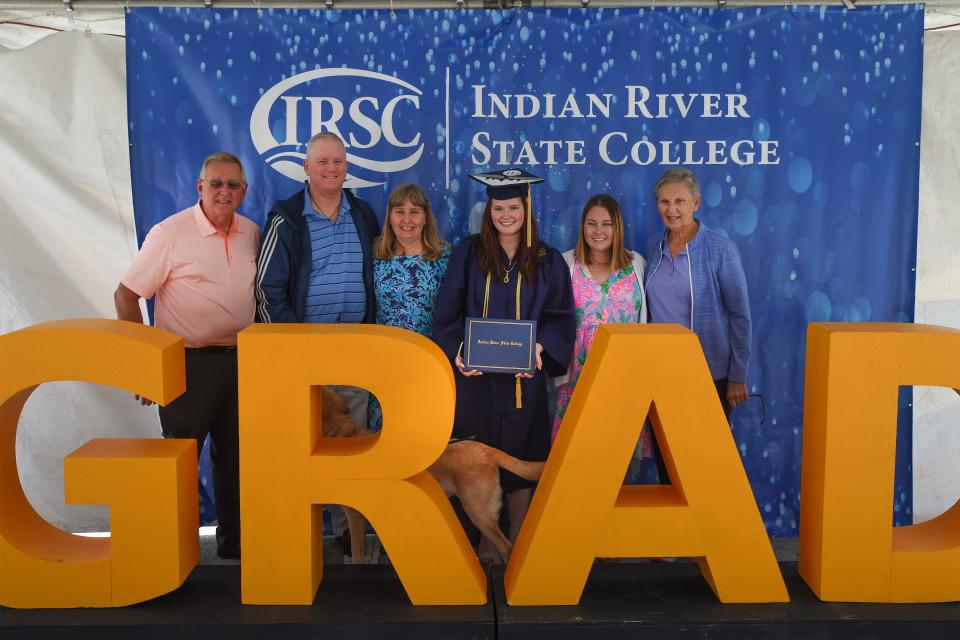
pixel 217 183
pixel 763 406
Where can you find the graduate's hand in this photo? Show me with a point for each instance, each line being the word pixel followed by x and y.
pixel 539 363
pixel 144 401
pixel 467 372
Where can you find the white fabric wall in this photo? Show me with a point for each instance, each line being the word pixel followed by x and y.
pixel 936 411
pixel 67 235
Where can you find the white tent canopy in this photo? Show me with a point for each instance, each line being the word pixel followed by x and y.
pixel 66 224
pixel 25 21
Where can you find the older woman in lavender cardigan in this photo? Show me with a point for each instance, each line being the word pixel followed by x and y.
pixel 694 278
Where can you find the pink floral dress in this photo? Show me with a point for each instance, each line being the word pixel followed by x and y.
pixel 616 301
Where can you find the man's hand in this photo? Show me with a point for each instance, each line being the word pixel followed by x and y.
pixel 127 303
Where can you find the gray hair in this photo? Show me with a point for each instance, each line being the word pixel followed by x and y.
pixel 222 156
pixel 681 175
pixel 325 135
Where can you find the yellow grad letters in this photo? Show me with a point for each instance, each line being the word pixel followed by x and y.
pixel 849 550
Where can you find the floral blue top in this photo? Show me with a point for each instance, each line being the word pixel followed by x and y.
pixel 407 288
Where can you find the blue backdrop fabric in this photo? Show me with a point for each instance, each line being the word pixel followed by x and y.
pixel 801 123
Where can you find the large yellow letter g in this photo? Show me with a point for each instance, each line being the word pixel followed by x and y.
pixel 150 485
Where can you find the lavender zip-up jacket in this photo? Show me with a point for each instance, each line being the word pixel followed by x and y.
pixel 720 307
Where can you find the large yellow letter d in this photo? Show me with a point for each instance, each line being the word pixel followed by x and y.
pixel 849 549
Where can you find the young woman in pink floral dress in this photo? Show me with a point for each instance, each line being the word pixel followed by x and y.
pixel 607 289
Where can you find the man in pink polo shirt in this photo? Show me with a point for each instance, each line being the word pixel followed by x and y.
pixel 200 264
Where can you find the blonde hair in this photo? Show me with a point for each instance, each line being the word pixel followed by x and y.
pixel 387 246
pixel 619 256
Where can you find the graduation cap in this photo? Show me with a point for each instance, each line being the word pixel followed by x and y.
pixel 507 184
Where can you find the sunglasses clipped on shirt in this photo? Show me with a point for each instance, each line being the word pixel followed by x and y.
pixel 217 183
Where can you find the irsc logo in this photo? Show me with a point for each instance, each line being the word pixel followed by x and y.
pixel 368 124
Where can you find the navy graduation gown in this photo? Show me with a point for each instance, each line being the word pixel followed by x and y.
pixel 486 405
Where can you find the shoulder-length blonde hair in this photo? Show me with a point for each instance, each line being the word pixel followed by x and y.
pixel 388 247
pixel 619 256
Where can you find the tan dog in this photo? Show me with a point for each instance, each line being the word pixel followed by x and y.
pixel 467 469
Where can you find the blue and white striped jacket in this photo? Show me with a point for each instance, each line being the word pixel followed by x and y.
pixel 282 273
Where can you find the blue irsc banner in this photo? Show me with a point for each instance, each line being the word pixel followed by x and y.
pixel 802 124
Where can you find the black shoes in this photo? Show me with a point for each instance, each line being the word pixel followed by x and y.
pixel 229 551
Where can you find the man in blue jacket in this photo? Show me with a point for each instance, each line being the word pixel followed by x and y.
pixel 316 259
pixel 316 256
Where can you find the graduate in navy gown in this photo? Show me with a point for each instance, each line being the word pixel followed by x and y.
pixel 508 254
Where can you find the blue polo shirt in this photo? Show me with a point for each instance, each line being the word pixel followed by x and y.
pixel 335 292
pixel 668 289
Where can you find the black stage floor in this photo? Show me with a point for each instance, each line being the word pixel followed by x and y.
pixel 673 600
pixel 352 602
pixel 632 600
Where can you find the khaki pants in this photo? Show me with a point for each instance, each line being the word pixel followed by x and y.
pixel 356 400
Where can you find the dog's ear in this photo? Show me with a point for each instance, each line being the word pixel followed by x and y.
pixel 332 403
pixel 337 427
pixel 342 427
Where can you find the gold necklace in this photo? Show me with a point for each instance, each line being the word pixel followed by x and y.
pixel 330 217
pixel 506 276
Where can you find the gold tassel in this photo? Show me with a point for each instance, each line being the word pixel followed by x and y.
pixel 486 295
pixel 517 307
pixel 529 220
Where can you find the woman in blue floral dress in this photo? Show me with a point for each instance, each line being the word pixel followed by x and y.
pixel 410 260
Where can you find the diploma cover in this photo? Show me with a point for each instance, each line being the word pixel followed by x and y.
pixel 500 346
